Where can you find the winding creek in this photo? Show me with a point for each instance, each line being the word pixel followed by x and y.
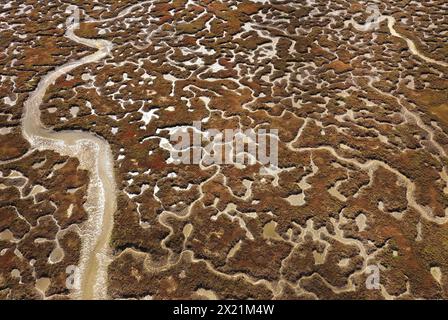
pixel 391 21
pixel 94 154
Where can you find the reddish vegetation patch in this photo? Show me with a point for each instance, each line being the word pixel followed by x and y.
pixel 12 146
pixel 340 67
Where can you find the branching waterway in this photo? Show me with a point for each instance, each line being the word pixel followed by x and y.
pixel 94 154
pixel 391 21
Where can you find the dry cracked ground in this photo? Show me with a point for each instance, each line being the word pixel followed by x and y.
pixel 363 143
